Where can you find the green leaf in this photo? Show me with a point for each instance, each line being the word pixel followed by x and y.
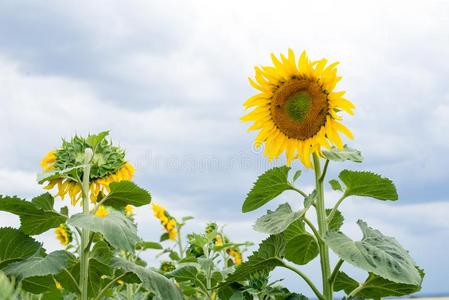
pixel 117 229
pixel 275 222
pixel 335 185
pixel 346 153
pixel 265 259
pixel 368 184
pixel 37 216
pixel 374 287
pixel 144 245
pixel 184 273
pixel 337 220
pixel 44 201
pixel 51 264
pixel 345 283
pixel 296 228
pixel 16 246
pixel 39 284
pixel 296 175
pixel 94 139
pixel 268 186
pixel 126 192
pixel 55 174
pixel 162 287
pixel 376 253
pixel 301 249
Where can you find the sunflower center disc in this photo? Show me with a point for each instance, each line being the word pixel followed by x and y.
pixel 298 105
pixel 299 108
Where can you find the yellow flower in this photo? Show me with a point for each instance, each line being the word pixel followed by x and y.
pixel 296 109
pixel 167 221
pixel 63 234
pixel 235 254
pixel 218 240
pixel 58 285
pixel 102 212
pixel 121 282
pixel 129 210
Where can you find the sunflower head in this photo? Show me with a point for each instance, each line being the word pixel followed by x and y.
pixel 129 210
pixel 168 222
pixel 108 164
pixel 236 255
pixel 296 109
pixel 63 234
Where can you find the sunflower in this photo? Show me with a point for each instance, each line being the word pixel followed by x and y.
pixel 107 165
pixel 236 255
pixel 296 109
pixel 102 211
pixel 63 234
pixel 167 221
pixel 129 210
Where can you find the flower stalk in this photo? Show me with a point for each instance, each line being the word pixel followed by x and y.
pixel 322 229
pixel 84 248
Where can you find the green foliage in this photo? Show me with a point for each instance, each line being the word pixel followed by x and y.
pixel 124 193
pixel 117 229
pixel 144 245
pixel 374 287
pixel 275 222
pixel 368 184
pixel 50 264
pixel 376 253
pixel 335 185
pixel 268 186
pixel 36 216
pixel 265 259
pixel 337 220
pixel 162 287
pixel 16 246
pixel 301 249
pixel 346 153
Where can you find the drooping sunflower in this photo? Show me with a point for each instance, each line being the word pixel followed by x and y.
pixel 296 109
pixel 63 234
pixel 108 165
pixel 167 221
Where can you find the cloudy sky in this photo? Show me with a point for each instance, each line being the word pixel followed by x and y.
pixel 168 79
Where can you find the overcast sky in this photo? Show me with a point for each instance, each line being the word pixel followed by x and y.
pixel 168 79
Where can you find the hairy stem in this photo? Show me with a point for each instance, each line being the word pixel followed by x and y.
pixel 335 272
pixel 84 248
pixel 181 250
pixel 322 228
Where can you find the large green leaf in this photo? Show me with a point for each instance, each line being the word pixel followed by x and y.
pixel 301 249
pixel 36 265
pixel 117 229
pixel 376 253
pixel 36 216
pixel 39 284
pixel 268 186
pixel 294 229
pixel 275 222
pixel 99 268
pixel 337 220
pixel 374 287
pixel 144 245
pixel 368 184
pixel 162 287
pixel 265 259
pixel 16 246
pixel 126 192
pixel 347 153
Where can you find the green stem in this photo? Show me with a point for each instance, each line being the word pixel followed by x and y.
pixel 306 279
pixel 313 228
pixel 181 250
pixel 334 210
pixel 322 228
pixel 84 249
pixel 298 190
pixel 335 272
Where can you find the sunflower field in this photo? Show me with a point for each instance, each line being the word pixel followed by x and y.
pixel 297 113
